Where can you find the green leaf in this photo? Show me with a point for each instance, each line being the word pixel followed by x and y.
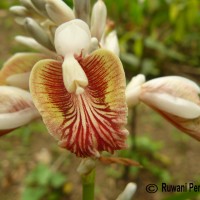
pixel 40 175
pixel 33 193
pixel 57 180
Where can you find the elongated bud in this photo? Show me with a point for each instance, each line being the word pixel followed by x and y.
pixel 30 42
pixel 27 3
pixel 82 10
pixel 111 43
pixel 40 6
pixel 58 11
pixel 86 166
pixel 19 10
pixel 38 33
pixel 133 90
pixel 98 19
pixel 128 192
pixel 30 7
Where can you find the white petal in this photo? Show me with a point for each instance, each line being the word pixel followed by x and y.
pixel 75 79
pixel 94 45
pixel 135 81
pixel 82 10
pixel 17 119
pixel 16 108
pixel 132 96
pixel 19 80
pixel 173 105
pixel 111 43
pixel 158 82
pixel 59 11
pixel 72 37
pixel 98 19
pixel 128 193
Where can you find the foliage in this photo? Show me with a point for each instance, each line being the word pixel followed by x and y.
pixel 146 152
pixel 42 181
pixel 155 35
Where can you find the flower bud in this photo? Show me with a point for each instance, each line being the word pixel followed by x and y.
pixel 19 10
pixel 58 11
pixel 82 10
pixel 133 90
pixel 86 166
pixel 176 99
pixel 30 42
pixel 40 6
pixel 98 19
pixel 111 43
pixel 128 192
pixel 38 33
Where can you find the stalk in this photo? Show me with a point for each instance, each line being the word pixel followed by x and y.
pixel 88 185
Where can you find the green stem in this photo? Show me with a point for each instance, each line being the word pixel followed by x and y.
pixel 88 183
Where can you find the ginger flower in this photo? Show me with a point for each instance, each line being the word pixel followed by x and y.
pixel 41 19
pixel 81 98
pixel 175 98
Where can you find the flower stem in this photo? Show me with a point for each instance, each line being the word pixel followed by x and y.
pixel 88 183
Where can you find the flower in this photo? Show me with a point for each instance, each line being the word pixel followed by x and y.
pixel 78 90
pixel 175 98
pixel 16 108
pixel 86 111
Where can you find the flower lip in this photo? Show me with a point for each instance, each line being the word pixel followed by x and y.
pixel 88 123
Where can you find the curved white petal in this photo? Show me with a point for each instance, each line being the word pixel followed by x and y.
pixel 132 96
pixel 72 37
pixel 111 43
pixel 16 108
pixel 17 119
pixel 158 82
pixel 135 81
pixel 128 192
pixel 170 104
pixel 19 80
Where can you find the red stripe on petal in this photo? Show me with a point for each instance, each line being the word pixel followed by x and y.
pixel 90 122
